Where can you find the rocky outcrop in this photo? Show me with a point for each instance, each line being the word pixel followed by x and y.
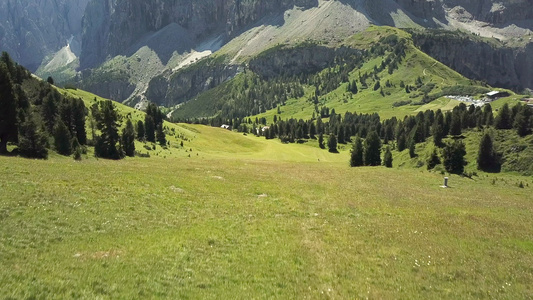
pixel 112 26
pixel 32 29
pixel 305 59
pixel 478 59
pixel 172 89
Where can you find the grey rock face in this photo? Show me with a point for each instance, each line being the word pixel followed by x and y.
pixel 112 26
pixel 32 29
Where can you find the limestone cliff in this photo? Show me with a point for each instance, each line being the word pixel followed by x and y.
pixel 112 26
pixel 32 29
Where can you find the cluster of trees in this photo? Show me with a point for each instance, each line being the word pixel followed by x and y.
pixel 37 117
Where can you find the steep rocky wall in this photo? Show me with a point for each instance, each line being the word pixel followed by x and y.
pixel 170 90
pixel 476 59
pixel 299 60
pixel 112 26
pixel 32 29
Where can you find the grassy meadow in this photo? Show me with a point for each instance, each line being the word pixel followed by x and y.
pixel 245 218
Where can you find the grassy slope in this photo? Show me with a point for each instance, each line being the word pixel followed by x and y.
pixel 416 64
pixel 251 218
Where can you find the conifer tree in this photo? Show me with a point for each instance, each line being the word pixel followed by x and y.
pixel 33 141
pixel 140 131
pixel 321 141
pixel 332 143
pixel 8 109
pixel 503 120
pixel 387 158
pixel 161 136
pixel 128 139
pixel 149 128
pixel 487 159
pixel 62 139
pixel 522 121
pixel 372 150
pixel 433 160
pixel 356 157
pixel 455 125
pixel 453 157
pixel 412 149
pixel 108 122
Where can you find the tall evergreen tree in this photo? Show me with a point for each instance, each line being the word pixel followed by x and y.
pixel 453 157
pixel 372 152
pixel 321 141
pixel 387 158
pixel 79 115
pixel 488 117
pixel 332 143
pixel 8 109
pixel 487 159
pixel 522 121
pixel 149 128
pixel 503 120
pixel 161 136
pixel 433 160
pixel 356 157
pixel 455 126
pixel 128 139
pixel 33 141
pixel 62 139
pixel 140 131
pixel 108 122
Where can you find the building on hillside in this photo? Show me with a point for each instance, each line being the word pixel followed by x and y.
pixel 527 101
pixel 224 126
pixel 494 95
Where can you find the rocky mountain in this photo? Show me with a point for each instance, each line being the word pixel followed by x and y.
pixel 133 50
pixel 30 30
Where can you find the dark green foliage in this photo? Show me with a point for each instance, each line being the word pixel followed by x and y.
pixel 33 141
pixel 488 117
pixel 504 118
pixel 340 134
pixel 387 158
pixel 455 126
pixel 149 127
pixel 62 139
pixel 522 120
pixel 79 114
pixel 108 122
pixel 161 136
pixel 401 143
pixel 356 157
pixel 140 131
pixel 372 151
pixel 321 141
pixel 332 143
pixel 437 130
pixel 128 139
pixel 50 80
pixel 8 109
pixel 76 149
pixel 433 160
pixel 412 149
pixel 487 159
pixel 454 157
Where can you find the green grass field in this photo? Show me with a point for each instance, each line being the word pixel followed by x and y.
pixel 248 218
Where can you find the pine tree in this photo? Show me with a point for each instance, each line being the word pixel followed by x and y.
pixel 79 115
pixel 453 157
pixel 387 158
pixel 321 141
pixel 402 143
pixel 161 136
pixel 108 122
pixel 412 149
pixel 340 134
pixel 140 131
pixel 455 125
pixel 433 160
pixel 8 109
pixel 437 130
pixel 332 143
pixel 33 141
pixel 62 139
pixel 487 159
pixel 356 157
pixel 149 128
pixel 522 121
pixel 128 139
pixel 488 117
pixel 503 120
pixel 50 80
pixel 372 151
